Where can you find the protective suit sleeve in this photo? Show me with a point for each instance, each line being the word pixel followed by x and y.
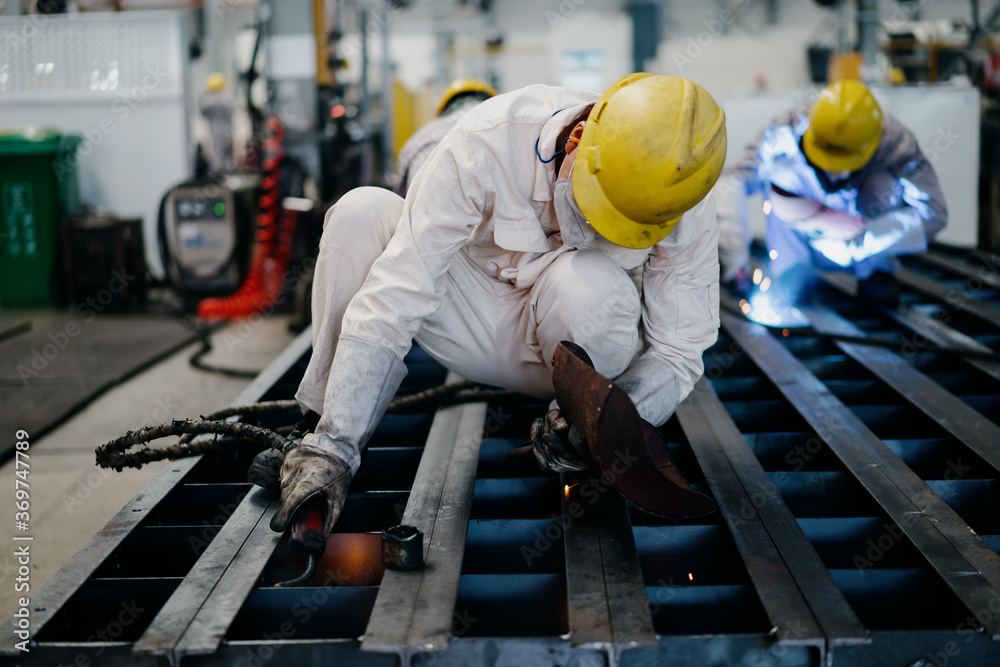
pixel 680 315
pixel 903 204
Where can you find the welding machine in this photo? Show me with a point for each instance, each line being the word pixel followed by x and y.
pixel 205 233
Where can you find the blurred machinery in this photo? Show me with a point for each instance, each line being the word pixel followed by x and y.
pixel 205 232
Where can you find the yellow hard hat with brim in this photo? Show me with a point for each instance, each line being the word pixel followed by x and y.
pixel 652 148
pixel 845 127
pixel 464 87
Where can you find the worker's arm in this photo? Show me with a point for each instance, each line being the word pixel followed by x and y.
pixel 901 202
pixel 680 317
pixel 905 207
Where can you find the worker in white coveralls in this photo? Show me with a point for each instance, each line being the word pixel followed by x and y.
pixel 459 98
pixel 845 188
pixel 520 231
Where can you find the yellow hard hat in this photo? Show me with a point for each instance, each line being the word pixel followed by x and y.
pixel 215 82
pixel 844 128
pixel 652 148
pixel 464 87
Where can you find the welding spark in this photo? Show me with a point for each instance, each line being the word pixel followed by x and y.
pixel 773 254
pixel 690 576
pixel 772 312
pixel 757 275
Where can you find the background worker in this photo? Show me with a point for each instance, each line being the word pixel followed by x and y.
pixel 845 188
pixel 520 232
pixel 459 98
pixel 218 111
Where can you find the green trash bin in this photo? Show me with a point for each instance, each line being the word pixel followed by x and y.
pixel 39 190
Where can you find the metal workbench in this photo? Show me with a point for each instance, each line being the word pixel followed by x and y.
pixel 858 521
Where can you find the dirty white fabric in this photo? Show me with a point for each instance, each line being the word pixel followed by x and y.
pixel 473 264
pixel 897 193
pixel 373 374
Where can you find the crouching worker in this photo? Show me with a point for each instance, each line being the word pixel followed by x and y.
pixel 520 231
pixel 845 188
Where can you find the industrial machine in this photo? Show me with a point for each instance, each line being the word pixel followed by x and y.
pixel 205 229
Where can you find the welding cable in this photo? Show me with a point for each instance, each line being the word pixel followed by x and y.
pixel 304 578
pixel 204 335
pixel 264 281
pixel 262 407
pixel 113 454
pixel 446 394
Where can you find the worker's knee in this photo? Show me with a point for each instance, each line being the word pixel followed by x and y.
pixel 591 281
pixel 592 301
pixel 365 209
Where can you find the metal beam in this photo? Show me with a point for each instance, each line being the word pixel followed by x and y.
pixel 951 413
pixel 941 334
pixel 800 597
pixel 931 328
pixel 203 582
pixel 964 269
pixel 954 298
pixel 604 586
pixel 960 557
pixel 68 580
pixel 416 608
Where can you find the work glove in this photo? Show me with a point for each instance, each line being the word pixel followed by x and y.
pixel 558 445
pixel 309 472
pixel 831 225
pixel 265 469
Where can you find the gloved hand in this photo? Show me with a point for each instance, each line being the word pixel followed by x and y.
pixel 308 472
pixel 831 225
pixel 558 445
pixel 265 470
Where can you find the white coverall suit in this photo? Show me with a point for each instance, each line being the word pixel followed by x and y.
pixel 475 265
pixel 422 143
pixel 896 193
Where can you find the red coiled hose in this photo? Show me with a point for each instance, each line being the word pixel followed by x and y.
pixel 272 243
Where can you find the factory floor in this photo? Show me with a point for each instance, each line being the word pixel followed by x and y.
pixel 71 498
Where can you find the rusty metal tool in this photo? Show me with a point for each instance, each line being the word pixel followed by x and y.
pixel 629 451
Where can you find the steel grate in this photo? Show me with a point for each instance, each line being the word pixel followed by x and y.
pixel 856 525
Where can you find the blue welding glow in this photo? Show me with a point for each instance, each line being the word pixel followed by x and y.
pixel 773 311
